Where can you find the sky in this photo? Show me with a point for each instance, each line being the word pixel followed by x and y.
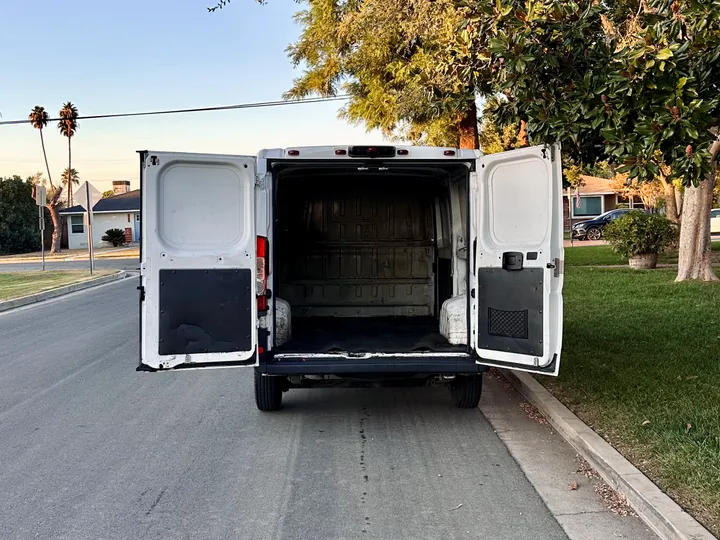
pixel 141 55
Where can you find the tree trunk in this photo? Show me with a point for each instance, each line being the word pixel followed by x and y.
pixel 694 258
pixel 468 129
pixel 42 142
pixel 671 207
pixel 679 201
pixel 522 135
pixel 55 248
pixel 69 180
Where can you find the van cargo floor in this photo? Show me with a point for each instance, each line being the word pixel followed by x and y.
pixel 367 334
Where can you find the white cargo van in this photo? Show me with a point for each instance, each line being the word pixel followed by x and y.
pixel 353 265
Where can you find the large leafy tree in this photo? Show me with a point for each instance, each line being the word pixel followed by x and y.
pixel 18 216
pixel 496 138
pixel 642 88
pixel 384 54
pixel 68 125
pixel 39 118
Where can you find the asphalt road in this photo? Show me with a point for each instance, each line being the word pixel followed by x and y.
pixel 91 449
pixel 110 264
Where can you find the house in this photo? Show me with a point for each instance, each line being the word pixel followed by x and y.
pixel 597 196
pixel 121 211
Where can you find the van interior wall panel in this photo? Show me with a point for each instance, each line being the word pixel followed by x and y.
pixel 357 246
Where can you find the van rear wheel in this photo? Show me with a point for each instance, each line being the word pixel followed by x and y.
pixel 466 391
pixel 268 392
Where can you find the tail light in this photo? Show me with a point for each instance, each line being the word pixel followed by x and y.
pixel 261 273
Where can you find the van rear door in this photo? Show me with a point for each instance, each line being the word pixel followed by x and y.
pixel 198 261
pixel 516 287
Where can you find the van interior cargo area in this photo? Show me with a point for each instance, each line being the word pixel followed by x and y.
pixel 367 334
pixel 364 257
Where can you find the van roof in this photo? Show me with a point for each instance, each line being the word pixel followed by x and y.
pixel 380 151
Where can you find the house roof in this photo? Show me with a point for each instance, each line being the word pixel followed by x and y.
pixel 125 202
pixel 593 185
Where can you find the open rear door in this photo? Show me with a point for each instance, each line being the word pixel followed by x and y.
pixel 516 287
pixel 198 261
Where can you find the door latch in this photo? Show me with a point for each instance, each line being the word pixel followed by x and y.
pixel 512 260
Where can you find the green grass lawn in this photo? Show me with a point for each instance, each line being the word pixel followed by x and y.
pixel 604 256
pixel 641 365
pixel 16 284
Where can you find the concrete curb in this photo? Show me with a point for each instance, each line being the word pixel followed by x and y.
pixel 663 515
pixel 60 291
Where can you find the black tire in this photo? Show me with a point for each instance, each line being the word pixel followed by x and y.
pixel 268 392
pixel 466 391
pixel 594 233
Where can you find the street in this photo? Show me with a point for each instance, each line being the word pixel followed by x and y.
pixel 93 449
pixel 100 264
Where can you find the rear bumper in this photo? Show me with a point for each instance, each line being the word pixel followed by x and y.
pixel 415 365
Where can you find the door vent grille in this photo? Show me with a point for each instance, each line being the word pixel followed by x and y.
pixel 512 324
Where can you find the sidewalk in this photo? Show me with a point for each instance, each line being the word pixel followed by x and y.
pixel 129 252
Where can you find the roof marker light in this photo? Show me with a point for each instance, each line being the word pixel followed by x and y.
pixel 293 152
pixel 449 152
pixel 340 152
pixel 403 152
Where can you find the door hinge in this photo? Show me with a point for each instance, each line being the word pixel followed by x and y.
pixel 557 265
pixel 142 292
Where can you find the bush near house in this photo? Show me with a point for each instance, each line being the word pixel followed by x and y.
pixel 115 236
pixel 638 234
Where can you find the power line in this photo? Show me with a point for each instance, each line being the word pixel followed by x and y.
pixel 199 109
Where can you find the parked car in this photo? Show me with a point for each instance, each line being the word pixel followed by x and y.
pixel 715 221
pixel 592 228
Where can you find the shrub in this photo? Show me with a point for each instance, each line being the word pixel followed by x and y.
pixel 115 236
pixel 638 233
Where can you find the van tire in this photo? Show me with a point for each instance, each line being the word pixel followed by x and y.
pixel 466 391
pixel 268 392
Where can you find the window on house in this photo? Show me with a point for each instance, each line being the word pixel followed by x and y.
pixel 77 223
pixel 589 206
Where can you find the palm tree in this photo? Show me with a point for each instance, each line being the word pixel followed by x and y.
pixel 68 125
pixel 70 177
pixel 39 118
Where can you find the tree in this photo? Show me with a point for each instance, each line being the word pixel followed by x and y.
pixel 385 55
pixel 633 89
pixel 68 126
pixel 18 216
pixel 494 138
pixel 650 192
pixel 108 193
pixel 39 118
pixel 601 169
pixel 70 178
